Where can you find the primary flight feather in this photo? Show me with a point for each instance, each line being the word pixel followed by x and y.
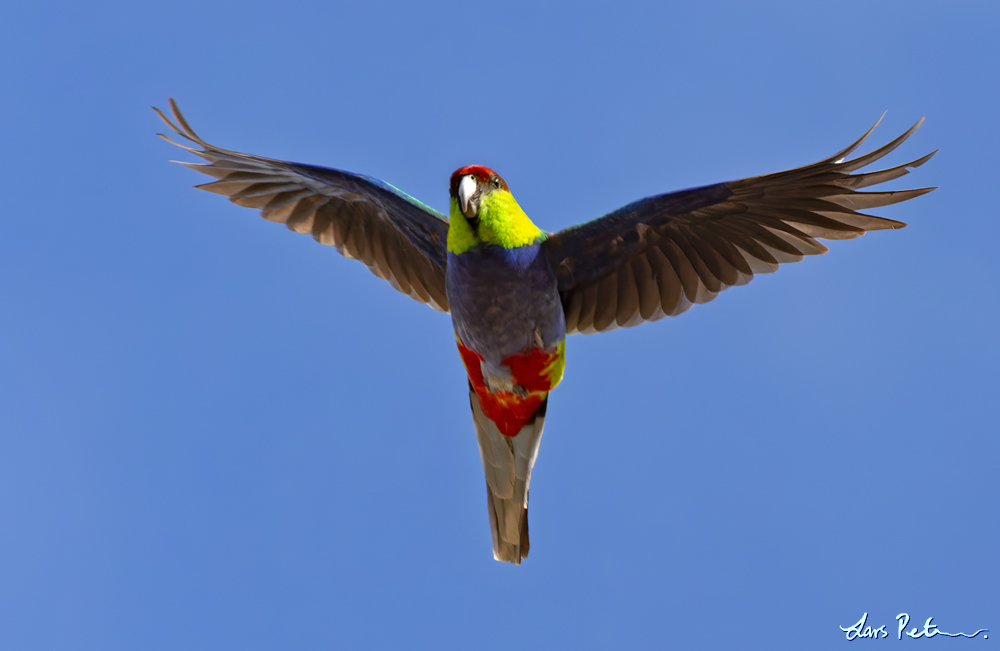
pixel 514 291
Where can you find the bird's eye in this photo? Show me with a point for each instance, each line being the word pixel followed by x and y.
pixel 496 182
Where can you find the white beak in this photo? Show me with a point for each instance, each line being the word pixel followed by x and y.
pixel 466 188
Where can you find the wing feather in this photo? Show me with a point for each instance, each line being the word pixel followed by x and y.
pixel 396 236
pixel 658 256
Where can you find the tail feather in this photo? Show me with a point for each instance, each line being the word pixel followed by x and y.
pixel 504 550
pixel 507 463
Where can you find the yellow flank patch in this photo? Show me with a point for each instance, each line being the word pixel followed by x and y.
pixel 558 365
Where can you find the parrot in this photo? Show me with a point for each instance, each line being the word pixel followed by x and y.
pixel 514 291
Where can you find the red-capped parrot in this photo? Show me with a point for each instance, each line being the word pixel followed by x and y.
pixel 515 291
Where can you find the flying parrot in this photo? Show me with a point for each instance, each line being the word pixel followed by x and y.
pixel 515 291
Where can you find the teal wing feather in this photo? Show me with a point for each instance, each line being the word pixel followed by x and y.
pixel 658 256
pixel 396 236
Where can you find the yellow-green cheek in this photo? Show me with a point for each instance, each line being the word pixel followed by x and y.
pixel 460 235
pixel 502 222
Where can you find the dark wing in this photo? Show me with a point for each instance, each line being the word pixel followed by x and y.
pixel 658 256
pixel 399 238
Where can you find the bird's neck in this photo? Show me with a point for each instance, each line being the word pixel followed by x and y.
pixel 501 222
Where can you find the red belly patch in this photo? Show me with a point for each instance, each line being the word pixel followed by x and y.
pixel 535 370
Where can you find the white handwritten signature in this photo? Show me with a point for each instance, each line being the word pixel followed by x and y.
pixel 930 629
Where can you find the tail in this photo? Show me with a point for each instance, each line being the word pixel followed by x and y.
pixel 507 462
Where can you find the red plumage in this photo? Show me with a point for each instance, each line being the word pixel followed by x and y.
pixel 482 173
pixel 508 410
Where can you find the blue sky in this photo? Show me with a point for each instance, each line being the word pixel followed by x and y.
pixel 216 433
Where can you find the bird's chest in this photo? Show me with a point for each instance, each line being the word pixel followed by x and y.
pixel 504 301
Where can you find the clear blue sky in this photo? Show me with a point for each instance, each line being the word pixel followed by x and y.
pixel 218 434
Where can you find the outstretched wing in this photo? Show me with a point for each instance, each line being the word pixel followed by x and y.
pixel 399 238
pixel 658 256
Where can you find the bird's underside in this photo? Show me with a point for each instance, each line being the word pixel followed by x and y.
pixel 652 258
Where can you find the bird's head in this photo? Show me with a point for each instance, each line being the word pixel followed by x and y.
pixel 470 184
pixel 484 210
